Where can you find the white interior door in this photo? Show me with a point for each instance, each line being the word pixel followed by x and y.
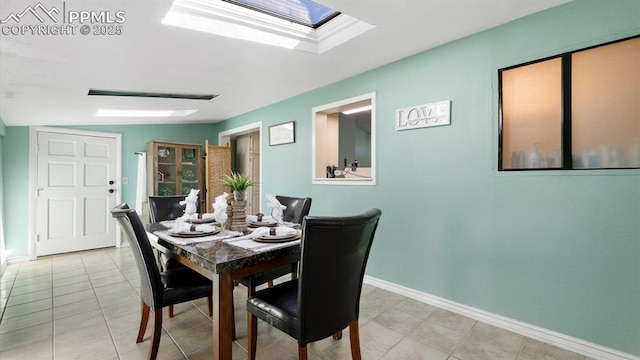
pixel 76 188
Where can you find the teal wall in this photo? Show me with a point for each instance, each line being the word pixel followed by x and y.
pixel 3 254
pixel 560 250
pixel 134 138
pixel 15 175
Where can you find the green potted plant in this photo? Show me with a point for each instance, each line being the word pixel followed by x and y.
pixel 238 183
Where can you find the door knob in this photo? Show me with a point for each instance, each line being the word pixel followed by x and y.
pixel 111 182
pixel 111 191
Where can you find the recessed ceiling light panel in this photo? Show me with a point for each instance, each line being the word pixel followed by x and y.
pixel 142 113
pixel 357 110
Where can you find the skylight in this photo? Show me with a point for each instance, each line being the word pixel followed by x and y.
pixel 304 12
pixel 227 18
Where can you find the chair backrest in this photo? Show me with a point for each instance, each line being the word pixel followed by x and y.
pixel 163 208
pixel 297 208
pixel 133 229
pixel 332 263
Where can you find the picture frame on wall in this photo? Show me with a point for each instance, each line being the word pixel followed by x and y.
pixel 282 133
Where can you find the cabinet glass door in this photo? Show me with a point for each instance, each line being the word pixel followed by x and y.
pixel 189 169
pixel 167 173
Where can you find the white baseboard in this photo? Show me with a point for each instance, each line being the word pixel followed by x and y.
pixel 19 259
pixel 535 332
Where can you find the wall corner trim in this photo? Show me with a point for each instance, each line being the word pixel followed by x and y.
pixel 535 332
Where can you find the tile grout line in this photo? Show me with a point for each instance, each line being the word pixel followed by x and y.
pixel 99 305
pixel 4 307
pixel 53 317
pixel 167 332
pixel 467 334
pixel 123 263
pixel 103 314
pixel 524 339
pixel 104 317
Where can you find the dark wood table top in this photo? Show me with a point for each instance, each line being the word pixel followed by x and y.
pixel 218 256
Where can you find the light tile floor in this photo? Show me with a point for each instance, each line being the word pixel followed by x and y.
pixel 86 306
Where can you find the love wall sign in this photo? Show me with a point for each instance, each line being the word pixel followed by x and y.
pixel 427 115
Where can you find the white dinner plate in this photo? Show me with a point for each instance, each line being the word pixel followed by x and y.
pixel 277 238
pixel 190 234
pixel 261 223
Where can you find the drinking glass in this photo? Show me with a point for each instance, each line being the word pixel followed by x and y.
pixel 276 214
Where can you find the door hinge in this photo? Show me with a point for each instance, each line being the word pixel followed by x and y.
pixel 37 237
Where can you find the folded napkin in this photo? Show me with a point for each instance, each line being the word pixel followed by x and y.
pixel 265 219
pixel 205 216
pixel 190 202
pixel 196 216
pixel 226 234
pixel 220 208
pixel 181 226
pixel 246 242
pixel 280 231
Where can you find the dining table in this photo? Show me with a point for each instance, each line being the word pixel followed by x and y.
pixel 222 261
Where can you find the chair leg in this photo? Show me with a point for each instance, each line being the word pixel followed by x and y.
pixel 144 319
pixel 302 353
pixel 155 335
pixel 252 335
pixel 354 335
pixel 170 311
pixel 338 335
pixel 159 260
pixel 250 291
pixel 270 283
pixel 210 305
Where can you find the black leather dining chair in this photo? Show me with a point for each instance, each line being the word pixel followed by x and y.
pixel 326 296
pixel 297 209
pixel 163 208
pixel 158 289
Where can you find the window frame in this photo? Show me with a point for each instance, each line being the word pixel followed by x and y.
pixel 566 111
pixel 319 112
pixel 284 17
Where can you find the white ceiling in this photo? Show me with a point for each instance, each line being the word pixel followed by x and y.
pixel 44 80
